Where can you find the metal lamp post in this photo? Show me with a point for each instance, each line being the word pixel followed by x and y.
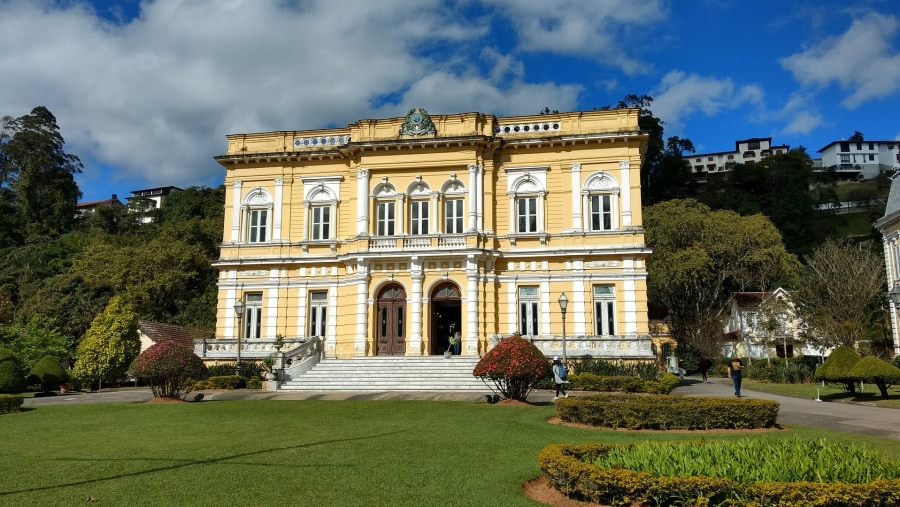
pixel 563 305
pixel 238 312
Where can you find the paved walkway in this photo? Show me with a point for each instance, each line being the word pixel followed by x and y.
pixel 846 417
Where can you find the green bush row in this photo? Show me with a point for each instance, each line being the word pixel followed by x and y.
pixel 647 370
pixel 661 412
pixel 227 382
pixel 10 403
pixel 619 383
pixel 570 469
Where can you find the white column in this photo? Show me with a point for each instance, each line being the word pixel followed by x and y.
pixel 470 341
pixel 362 203
pixel 272 310
pixel 576 197
pixel 331 333
pixel 229 330
pixel 279 201
pixel 362 307
pixel 542 227
pixel 401 206
pixel 307 209
pixel 630 297
pixel 625 178
pixel 236 211
pixel 585 210
pixel 511 307
pixel 545 307
pixel 473 198
pixel 415 339
pixel 435 222
pixel 579 316
pixel 479 197
pixel 513 214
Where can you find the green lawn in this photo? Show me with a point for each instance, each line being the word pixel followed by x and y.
pixel 322 453
pixel 870 393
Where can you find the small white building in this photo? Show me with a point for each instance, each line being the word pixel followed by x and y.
pixel 153 195
pixel 860 160
pixel 745 151
pixel 764 325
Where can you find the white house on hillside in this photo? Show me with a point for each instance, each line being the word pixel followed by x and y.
pixel 860 159
pixel 745 151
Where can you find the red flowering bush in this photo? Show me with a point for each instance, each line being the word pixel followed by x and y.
pixel 169 368
pixel 513 367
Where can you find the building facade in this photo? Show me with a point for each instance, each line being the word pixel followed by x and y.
pixel 860 159
pixel 745 151
pixel 389 236
pixel 889 227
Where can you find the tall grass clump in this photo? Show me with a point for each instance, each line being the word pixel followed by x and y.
pixel 750 460
pixel 646 370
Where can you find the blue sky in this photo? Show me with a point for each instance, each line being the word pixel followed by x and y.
pixel 145 91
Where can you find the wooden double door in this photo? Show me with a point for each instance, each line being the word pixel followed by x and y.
pixel 390 322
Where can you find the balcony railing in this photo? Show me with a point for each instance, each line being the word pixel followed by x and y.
pixel 418 242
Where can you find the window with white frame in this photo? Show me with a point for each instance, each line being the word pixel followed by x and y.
pixel 604 310
pixel 253 315
pixel 601 197
pixel 320 229
pixel 526 215
pixel 318 312
pixel 257 225
pixel 453 216
pixel 418 216
pixel 385 217
pixel 529 314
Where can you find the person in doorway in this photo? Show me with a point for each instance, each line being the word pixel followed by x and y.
pixel 734 371
pixel 704 366
pixel 559 377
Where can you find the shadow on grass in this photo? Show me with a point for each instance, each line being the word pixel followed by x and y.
pixel 182 463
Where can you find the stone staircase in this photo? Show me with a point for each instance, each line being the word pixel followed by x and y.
pixel 426 373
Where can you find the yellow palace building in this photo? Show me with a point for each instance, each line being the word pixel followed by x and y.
pixel 389 236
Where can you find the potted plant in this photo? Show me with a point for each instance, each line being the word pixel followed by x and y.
pixel 269 366
pixel 279 341
pixel 454 340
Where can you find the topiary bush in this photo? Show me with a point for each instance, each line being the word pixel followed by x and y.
pixel 12 374
pixel 48 373
pixel 836 369
pixel 168 367
pixel 875 370
pixel 513 367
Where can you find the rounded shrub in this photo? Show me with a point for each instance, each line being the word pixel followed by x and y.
pixel 168 367
pixel 836 368
pixel 513 367
pixel 48 373
pixel 12 373
pixel 875 370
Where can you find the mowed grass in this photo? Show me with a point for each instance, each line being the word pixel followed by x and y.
pixel 320 453
pixel 829 392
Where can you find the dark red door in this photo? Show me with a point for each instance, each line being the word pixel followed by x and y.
pixel 390 321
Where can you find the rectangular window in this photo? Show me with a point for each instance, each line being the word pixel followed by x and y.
pixel 528 311
pixel 418 217
pixel 385 219
pixel 845 159
pixel 753 145
pixel 601 212
pixel 453 216
pixel 845 147
pixel 871 146
pixel 253 315
pixel 256 230
pixel 871 156
pixel 526 210
pixel 604 310
pixel 321 222
pixel 858 146
pixel 318 311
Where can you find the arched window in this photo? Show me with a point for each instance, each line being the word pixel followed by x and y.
pixel 453 193
pixel 257 216
pixel 321 207
pixel 528 206
pixel 419 207
pixel 385 197
pixel 601 200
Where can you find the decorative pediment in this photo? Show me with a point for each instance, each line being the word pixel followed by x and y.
pixel 257 197
pixel 417 123
pixel 528 186
pixel 601 181
pixel 418 187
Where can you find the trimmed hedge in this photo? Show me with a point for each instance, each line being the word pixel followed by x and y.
pixel 48 373
pixel 12 373
pixel 569 469
pixel 616 383
pixel 10 403
pixel 662 412
pixel 228 382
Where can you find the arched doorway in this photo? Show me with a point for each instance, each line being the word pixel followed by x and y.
pixel 390 321
pixel 446 317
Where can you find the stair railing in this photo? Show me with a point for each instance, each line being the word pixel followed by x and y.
pixel 302 358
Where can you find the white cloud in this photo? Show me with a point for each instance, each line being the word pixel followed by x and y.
pixel 680 95
pixel 155 97
pixel 591 28
pixel 861 60
pixel 801 115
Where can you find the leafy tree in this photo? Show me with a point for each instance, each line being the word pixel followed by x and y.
pixel 109 345
pixel 839 294
pixel 513 367
pixel 700 256
pixel 41 174
pixel 12 374
pixel 36 339
pixel 48 373
pixel 784 188
pixel 836 368
pixel 875 370
pixel 169 368
pixel 857 137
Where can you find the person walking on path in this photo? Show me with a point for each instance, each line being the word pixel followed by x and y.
pixel 559 377
pixel 734 371
pixel 704 367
